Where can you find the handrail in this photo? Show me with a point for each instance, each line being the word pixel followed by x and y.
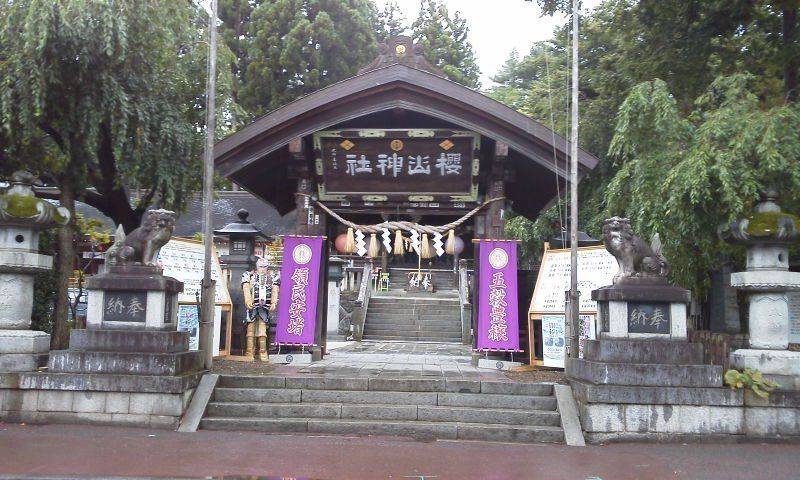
pixel 464 300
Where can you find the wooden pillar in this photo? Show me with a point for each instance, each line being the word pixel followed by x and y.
pixel 311 221
pixel 495 212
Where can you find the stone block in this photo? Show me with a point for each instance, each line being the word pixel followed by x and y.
pixel 24 341
pixel 379 412
pixel 172 364
pixel 155 404
pixel 760 422
pixel 117 402
pixel 517 388
pixel 674 352
pixel 19 362
pixel 684 419
pixel 54 401
pixel 458 385
pixel 130 420
pixel 89 402
pixel 9 380
pixel 327 383
pixel 109 382
pixel 627 394
pixel 165 422
pixel 602 417
pixel 775 362
pixel 777 398
pixel 21 400
pixel 251 381
pixel 407 384
pixel 643 374
pixel 129 341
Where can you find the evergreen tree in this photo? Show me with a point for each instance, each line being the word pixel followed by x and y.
pixel 389 21
pixel 444 41
pixel 300 46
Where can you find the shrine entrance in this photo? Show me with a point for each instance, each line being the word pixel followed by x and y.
pixel 400 169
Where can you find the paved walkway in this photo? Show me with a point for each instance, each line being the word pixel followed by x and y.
pixel 404 359
pixel 81 451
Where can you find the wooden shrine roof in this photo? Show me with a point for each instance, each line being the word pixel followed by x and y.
pixel 256 157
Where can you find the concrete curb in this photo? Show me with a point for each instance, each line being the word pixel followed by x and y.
pixel 197 407
pixel 570 421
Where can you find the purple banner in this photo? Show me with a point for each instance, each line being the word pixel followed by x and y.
pixel 297 301
pixel 498 322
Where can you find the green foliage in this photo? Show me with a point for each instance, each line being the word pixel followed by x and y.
pixel 684 175
pixel 389 21
pixel 299 46
pixel 752 379
pixel 106 95
pixel 44 287
pixel 444 42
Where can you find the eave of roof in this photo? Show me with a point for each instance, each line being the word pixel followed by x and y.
pixel 401 75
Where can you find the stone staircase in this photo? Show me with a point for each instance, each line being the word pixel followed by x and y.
pixel 425 408
pixel 418 316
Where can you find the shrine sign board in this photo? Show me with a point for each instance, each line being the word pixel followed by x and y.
pixel 397 165
pixel 125 306
pixel 647 317
pixel 596 268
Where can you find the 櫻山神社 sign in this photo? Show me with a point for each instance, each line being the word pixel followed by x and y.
pixel 297 300
pixel 397 165
pixel 498 316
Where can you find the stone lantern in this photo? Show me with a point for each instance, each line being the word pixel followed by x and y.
pixel 242 236
pixel 767 234
pixel 22 217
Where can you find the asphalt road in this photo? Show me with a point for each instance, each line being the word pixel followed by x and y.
pixel 82 451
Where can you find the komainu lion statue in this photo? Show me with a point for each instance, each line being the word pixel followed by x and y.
pixel 635 257
pixel 141 246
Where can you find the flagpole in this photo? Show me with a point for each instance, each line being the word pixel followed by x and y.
pixel 573 182
pixel 208 291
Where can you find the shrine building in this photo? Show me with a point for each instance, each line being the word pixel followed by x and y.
pixel 399 142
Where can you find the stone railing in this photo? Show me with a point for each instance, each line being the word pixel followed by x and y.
pixel 354 300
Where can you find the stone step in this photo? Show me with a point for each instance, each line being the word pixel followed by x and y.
pixel 412 333
pixel 415 429
pixel 273 410
pixel 315 382
pixel 400 338
pixel 647 374
pixel 73 361
pixel 426 321
pixel 642 351
pixel 415 336
pixel 401 314
pixel 267 395
pixel 414 310
pixel 483 400
pixel 500 416
pixel 128 341
pixel 414 302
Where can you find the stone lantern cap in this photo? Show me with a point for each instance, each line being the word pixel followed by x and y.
pixel 20 207
pixel 768 225
pixel 242 227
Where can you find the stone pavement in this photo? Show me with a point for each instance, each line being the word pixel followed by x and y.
pixel 403 359
pixel 81 452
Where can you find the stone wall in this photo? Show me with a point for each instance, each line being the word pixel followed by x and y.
pixel 611 413
pixel 35 398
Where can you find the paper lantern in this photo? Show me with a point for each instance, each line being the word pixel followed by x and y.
pixel 458 245
pixel 341 243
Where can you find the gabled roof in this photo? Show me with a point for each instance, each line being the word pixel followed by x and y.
pixel 392 87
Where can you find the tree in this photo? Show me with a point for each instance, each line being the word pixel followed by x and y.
pixel 684 175
pixel 445 43
pixel 300 46
pixel 389 21
pixel 101 99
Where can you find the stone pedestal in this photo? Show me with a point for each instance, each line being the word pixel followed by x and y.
pixel 133 297
pixel 642 309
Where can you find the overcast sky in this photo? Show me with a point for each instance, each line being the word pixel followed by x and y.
pixel 497 26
